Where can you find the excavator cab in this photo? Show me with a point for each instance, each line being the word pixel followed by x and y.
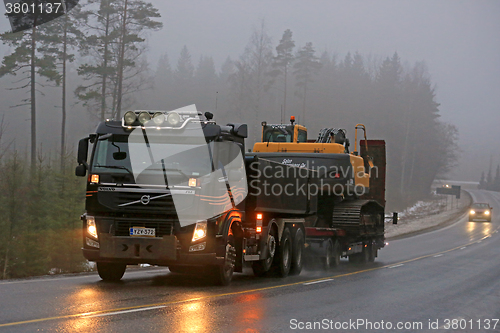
pixel 284 133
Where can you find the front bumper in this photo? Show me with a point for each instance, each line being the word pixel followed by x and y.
pixel 155 251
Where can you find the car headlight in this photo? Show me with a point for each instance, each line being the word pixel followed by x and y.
pixel 200 231
pixel 472 212
pixel 486 212
pixel 91 226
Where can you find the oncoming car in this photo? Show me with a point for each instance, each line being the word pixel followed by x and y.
pixel 480 211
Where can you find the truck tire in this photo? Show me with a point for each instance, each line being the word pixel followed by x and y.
pixel 297 252
pixel 372 253
pixel 283 259
pixel 223 274
pixel 111 272
pixel 262 267
pixel 332 254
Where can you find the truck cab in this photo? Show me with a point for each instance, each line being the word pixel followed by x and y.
pixel 164 188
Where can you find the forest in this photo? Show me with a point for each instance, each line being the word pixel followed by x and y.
pixel 106 43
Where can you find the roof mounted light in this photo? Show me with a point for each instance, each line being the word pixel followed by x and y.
pixel 129 118
pixel 173 118
pixel 159 118
pixel 144 117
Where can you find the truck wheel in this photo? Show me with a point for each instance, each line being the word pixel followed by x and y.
pixel 261 267
pixel 372 253
pixel 298 249
pixel 283 260
pixel 223 274
pixel 111 272
pixel 332 255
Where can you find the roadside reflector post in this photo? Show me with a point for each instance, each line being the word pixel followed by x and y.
pixel 395 218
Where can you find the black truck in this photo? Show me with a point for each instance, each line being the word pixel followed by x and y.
pixel 173 188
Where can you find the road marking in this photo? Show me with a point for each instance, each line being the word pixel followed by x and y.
pixel 50 279
pixel 437 256
pixel 314 282
pixel 165 304
pixel 127 311
pixel 464 247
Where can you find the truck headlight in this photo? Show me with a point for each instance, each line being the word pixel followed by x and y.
pixel 91 226
pixel 200 231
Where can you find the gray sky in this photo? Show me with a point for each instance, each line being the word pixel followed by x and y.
pixel 459 41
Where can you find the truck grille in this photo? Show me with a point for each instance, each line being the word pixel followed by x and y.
pixel 163 227
pixel 131 201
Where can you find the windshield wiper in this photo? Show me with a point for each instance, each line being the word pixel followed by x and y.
pixel 115 167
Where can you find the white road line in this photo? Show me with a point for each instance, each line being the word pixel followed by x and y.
pixel 463 247
pixel 79 277
pixel 396 266
pixel 308 283
pixel 439 255
pixel 126 311
pixel 479 241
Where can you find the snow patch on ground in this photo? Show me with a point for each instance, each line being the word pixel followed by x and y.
pixel 427 214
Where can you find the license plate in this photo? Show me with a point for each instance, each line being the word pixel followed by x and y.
pixel 142 232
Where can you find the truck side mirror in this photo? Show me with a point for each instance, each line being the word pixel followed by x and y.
pixel 81 171
pixel 83 149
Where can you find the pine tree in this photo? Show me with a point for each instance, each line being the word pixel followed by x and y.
pixel 163 83
pixel 115 42
pixel 482 182
pixel 183 79
pixel 282 62
pixel 205 79
pixel 33 56
pixel 64 34
pixel 496 181
pixel 306 66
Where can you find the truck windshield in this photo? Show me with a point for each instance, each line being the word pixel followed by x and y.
pixel 180 157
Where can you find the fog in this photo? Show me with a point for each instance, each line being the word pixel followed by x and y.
pixel 458 40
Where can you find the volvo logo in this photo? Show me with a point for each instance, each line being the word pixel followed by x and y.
pixel 145 199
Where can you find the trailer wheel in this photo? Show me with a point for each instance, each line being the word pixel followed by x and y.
pixel 332 254
pixel 372 252
pixel 336 253
pixel 283 260
pixel 111 272
pixel 261 267
pixel 297 251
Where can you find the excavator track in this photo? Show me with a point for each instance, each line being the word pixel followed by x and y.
pixel 359 217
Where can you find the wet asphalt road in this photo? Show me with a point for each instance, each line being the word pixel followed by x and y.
pixel 416 284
